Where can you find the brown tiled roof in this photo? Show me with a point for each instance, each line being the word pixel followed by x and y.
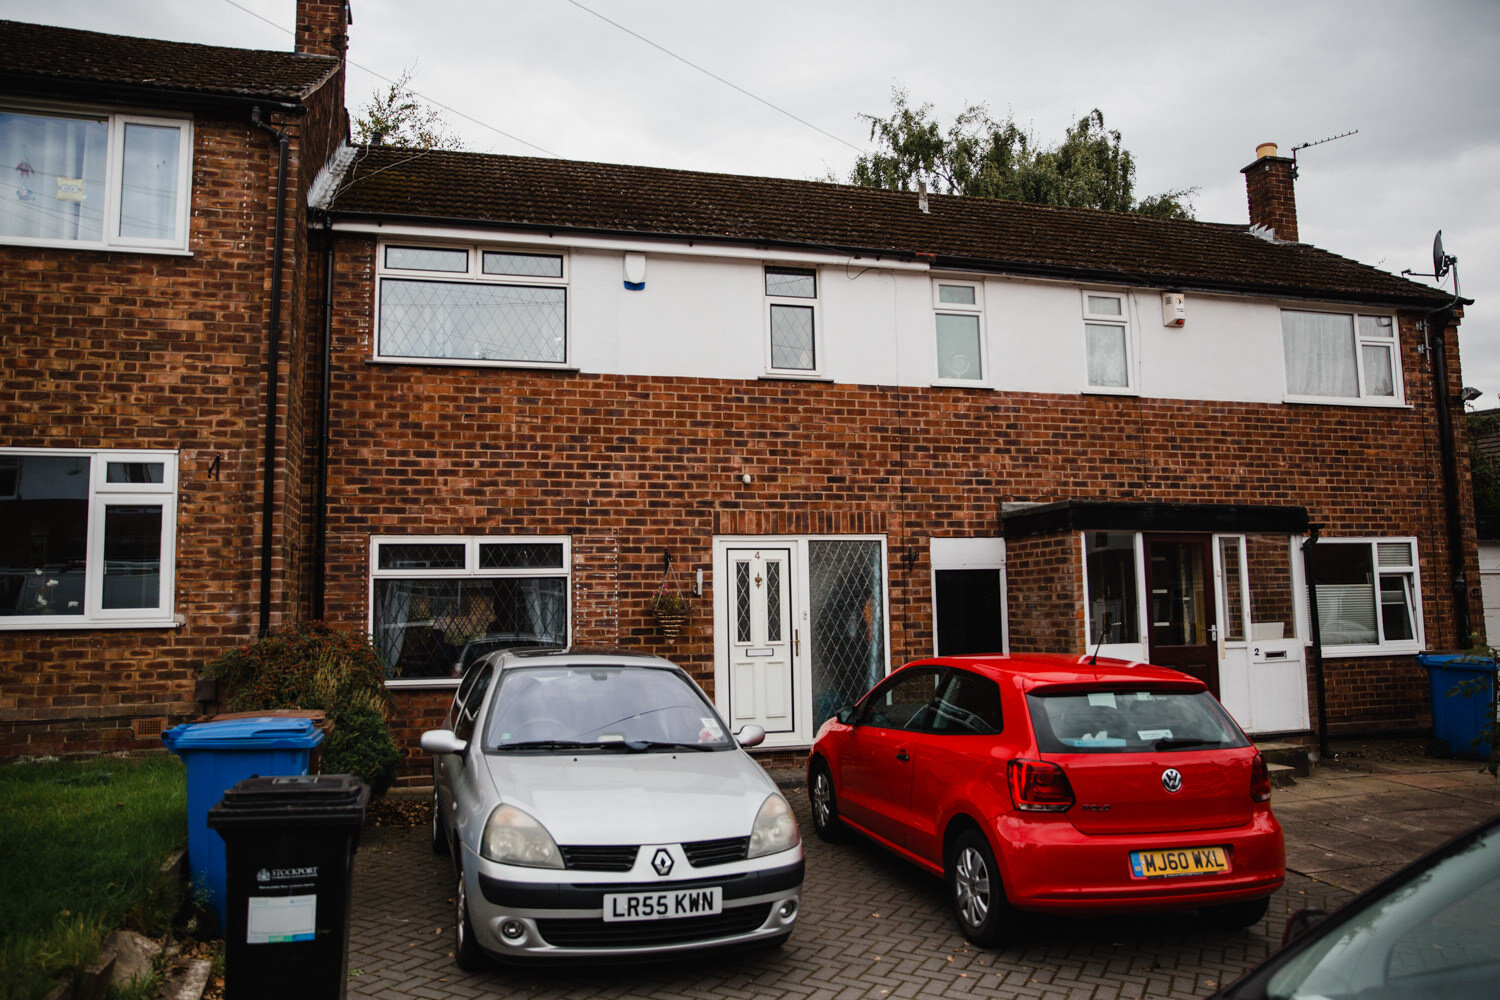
pixel 972 233
pixel 41 59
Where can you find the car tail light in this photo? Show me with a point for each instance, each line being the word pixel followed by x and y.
pixel 1260 780
pixel 1037 786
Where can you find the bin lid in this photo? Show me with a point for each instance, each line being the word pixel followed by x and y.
pixel 1473 662
pixel 251 733
pixel 335 800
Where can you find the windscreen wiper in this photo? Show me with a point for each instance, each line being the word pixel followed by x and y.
pixel 1183 742
pixel 547 745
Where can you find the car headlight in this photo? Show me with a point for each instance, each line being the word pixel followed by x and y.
pixel 513 837
pixel 775 829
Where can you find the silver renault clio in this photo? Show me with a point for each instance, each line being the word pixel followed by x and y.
pixel 595 805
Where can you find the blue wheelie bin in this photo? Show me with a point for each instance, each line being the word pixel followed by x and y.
pixel 1463 701
pixel 218 755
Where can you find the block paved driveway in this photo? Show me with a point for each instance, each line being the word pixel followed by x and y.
pixel 871 926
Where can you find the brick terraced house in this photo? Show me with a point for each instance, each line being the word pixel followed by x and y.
pixel 849 426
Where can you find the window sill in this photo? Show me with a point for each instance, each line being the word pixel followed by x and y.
pixel 1376 404
pixel 1399 649
pixel 794 377
pixel 962 384
pixel 34 624
pixel 1104 390
pixel 487 365
pixel 421 683
pixel 18 241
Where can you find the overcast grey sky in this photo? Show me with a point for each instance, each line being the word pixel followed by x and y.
pixel 1193 87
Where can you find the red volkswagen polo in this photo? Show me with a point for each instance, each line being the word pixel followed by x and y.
pixel 1054 783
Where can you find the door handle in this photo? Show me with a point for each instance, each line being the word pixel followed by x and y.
pixel 796 642
pixel 902 754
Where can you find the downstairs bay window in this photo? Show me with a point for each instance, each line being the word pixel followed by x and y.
pixel 437 603
pixel 86 538
pixel 1369 595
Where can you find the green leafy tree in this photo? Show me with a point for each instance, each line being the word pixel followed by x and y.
pixel 1484 468
pixel 401 118
pixel 983 158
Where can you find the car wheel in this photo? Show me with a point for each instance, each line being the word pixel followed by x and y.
pixel 825 805
pixel 466 953
pixel 984 915
pixel 1235 916
pixel 439 830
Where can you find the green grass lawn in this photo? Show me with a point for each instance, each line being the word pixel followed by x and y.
pixel 81 849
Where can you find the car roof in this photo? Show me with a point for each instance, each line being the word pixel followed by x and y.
pixel 565 656
pixel 1034 670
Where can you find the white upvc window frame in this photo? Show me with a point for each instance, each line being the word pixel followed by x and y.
pixel 810 303
pixel 1361 342
pixel 471 570
pixel 1115 320
pixel 1413 578
pixel 117 121
pixel 971 310
pixel 473 274
pixel 102 495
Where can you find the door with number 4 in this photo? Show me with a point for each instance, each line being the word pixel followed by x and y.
pixel 763 639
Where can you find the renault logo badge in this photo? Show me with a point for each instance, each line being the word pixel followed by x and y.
pixel 661 862
pixel 1171 779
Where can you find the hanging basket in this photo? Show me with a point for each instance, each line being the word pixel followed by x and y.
pixel 669 623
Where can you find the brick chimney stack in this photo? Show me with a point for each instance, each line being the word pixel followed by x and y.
pixel 323 27
pixel 1273 198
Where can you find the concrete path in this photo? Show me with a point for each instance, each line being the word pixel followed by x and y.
pixel 874 927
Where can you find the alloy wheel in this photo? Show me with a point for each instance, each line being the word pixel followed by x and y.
pixel 971 887
pixel 822 799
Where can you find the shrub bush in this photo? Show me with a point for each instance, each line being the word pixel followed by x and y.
pixel 310 665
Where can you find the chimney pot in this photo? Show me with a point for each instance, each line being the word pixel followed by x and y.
pixel 1264 150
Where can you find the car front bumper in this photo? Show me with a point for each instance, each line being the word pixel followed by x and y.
pixel 1048 865
pixel 537 920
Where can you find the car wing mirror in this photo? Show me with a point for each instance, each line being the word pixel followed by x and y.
pixel 845 715
pixel 1300 923
pixel 750 736
pixel 443 741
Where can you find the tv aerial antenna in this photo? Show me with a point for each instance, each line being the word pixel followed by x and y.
pixel 1317 142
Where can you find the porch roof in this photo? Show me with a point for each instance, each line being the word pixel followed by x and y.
pixel 1122 515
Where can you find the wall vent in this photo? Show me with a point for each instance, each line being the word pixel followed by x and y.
pixel 145 729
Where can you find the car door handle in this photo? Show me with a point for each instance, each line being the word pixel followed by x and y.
pixel 902 754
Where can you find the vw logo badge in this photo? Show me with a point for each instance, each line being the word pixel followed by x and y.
pixel 661 862
pixel 1171 779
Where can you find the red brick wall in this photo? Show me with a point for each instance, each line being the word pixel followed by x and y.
pixel 125 350
pixel 631 466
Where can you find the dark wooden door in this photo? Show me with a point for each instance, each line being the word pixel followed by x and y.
pixel 1183 631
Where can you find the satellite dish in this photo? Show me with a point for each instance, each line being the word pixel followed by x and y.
pixel 1439 259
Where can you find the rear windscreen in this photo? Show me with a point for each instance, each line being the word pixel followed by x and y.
pixel 1130 721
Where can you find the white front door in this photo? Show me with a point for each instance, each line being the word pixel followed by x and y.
pixel 763 639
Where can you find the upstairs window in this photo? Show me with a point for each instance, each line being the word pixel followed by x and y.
pixel 959 307
pixel 465 305
pixel 1341 356
pixel 95 180
pixel 792 321
pixel 86 538
pixel 1106 334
